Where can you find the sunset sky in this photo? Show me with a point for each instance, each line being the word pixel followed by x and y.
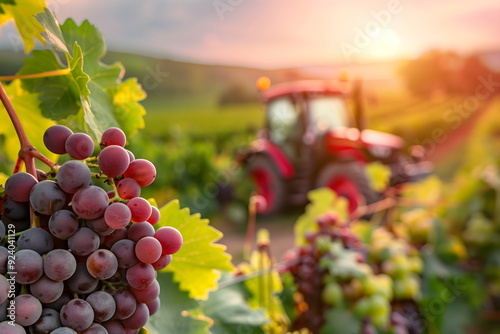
pixel 281 33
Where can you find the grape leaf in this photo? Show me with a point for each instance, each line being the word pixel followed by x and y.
pixel 173 316
pixel 228 309
pixel 52 33
pixel 339 321
pixel 127 111
pixel 321 200
pixel 92 97
pixel 5 2
pixel 23 15
pixel 196 266
pixel 27 108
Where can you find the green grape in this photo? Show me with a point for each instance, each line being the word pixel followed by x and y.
pixel 407 288
pixel 332 294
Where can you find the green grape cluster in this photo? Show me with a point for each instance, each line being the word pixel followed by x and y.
pixel 333 270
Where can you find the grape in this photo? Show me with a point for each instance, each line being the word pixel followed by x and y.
pixel 49 320
pixel 28 309
pixel 163 261
pixel 125 303
pixel 63 224
pixel 41 175
pixel 16 210
pixel 154 306
pixel 47 290
pixel 28 265
pixel 8 328
pixel 138 231
pixel 102 264
pixel 84 241
pixel 128 188
pixel 4 288
pixel 148 250
pixel 114 327
pixel 59 265
pixel 141 170
pixel 4 254
pixel 95 329
pixel 155 216
pixel 103 304
pixel 63 330
pixel 19 185
pixel 113 136
pixel 82 282
pixel 72 176
pixel 140 209
pixel 55 138
pixel 59 303
pixel 139 318
pixel 169 238
pixel 113 161
pixel 131 155
pixel 79 146
pixel 20 225
pixel 47 197
pixel 77 314
pixel 90 202
pixel 124 251
pixel 141 275
pixel 117 235
pixel 117 215
pixel 3 310
pixel 148 294
pixel 99 226
pixel 36 239
pixel 2 235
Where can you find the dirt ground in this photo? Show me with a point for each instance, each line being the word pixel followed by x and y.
pixel 280 229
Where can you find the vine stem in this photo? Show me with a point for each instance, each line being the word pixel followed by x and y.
pixel 28 152
pixel 47 74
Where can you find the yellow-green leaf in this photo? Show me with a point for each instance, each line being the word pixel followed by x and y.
pixel 322 200
pixel 34 124
pixel 128 112
pixel 23 15
pixel 197 265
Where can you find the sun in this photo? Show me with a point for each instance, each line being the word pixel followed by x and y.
pixel 386 45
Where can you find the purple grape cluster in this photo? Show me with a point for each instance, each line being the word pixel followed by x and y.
pixel 78 247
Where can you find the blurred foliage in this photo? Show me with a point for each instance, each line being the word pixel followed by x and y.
pixel 446 72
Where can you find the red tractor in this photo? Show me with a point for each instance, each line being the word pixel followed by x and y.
pixel 312 139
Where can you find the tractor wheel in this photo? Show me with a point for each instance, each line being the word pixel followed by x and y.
pixel 348 180
pixel 268 183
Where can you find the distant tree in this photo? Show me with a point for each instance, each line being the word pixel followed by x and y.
pixel 433 71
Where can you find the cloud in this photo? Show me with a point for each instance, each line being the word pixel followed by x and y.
pixel 281 32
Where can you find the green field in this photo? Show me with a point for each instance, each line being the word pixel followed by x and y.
pixel 199 117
